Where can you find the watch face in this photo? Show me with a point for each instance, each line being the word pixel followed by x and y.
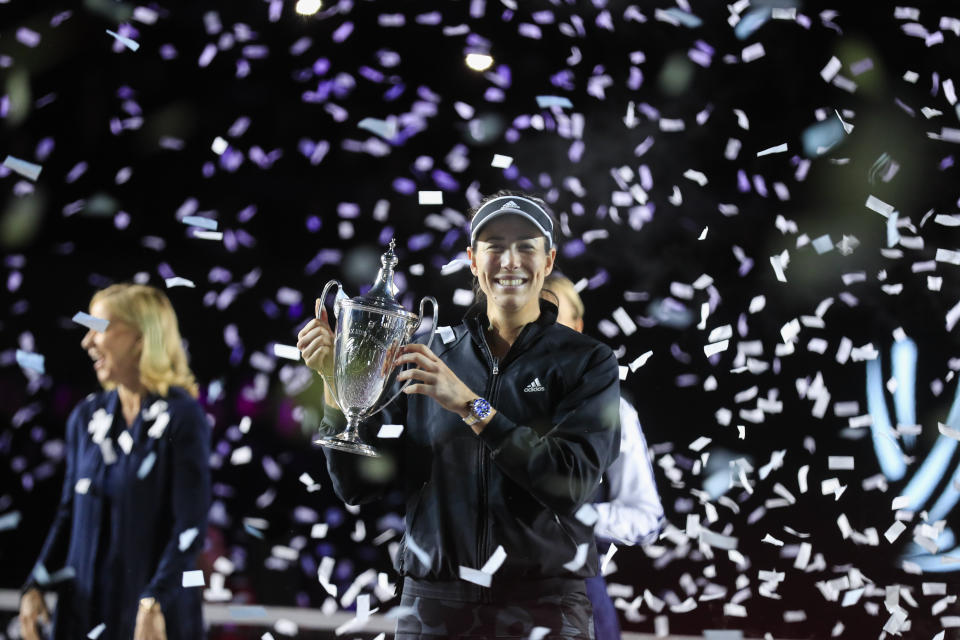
pixel 481 408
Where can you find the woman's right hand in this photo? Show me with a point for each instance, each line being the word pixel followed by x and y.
pixel 315 342
pixel 32 610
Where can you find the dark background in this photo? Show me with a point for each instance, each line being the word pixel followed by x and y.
pixel 64 236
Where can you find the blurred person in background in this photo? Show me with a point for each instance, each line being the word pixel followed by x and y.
pixel 509 424
pixel 628 504
pixel 133 511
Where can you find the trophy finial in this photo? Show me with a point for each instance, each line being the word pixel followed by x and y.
pixel 389 258
pixel 383 292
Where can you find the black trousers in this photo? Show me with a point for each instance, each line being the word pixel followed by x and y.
pixel 547 617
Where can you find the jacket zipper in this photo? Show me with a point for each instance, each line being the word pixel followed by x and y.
pixel 482 553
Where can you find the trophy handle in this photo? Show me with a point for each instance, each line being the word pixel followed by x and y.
pixel 413 329
pixel 323 303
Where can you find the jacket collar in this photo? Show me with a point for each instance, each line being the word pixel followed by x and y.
pixel 548 313
pixel 476 320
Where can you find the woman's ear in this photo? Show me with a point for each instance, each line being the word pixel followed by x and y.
pixel 551 258
pixel 473 260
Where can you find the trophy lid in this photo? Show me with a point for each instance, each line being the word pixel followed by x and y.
pixel 381 294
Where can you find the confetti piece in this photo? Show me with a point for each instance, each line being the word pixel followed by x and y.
pixel 840 463
pixel 125 41
pixel 31 361
pixel 578 559
pixel 125 440
pixel 207 235
pixel 242 455
pixel 875 204
pixel 179 282
pixel 545 102
pixel 390 431
pixel 146 465
pixel 501 162
pixel 753 52
pixel 769 539
pixel 193 578
pixel 286 351
pixel 199 221
pixel 587 514
pixel 948 432
pixel 640 361
pixel 626 323
pixel 777 264
pixel 495 561
pixel 715 348
pixel 187 537
pixel 446 334
pixel 780 148
pixel 475 576
pixel 26 169
pixel 94 633
pixel 10 521
pixel 219 145
pixel 91 322
pixel 430 197
pixel 894 531
pixel 386 129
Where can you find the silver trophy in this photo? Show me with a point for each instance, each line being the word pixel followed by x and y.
pixel 370 332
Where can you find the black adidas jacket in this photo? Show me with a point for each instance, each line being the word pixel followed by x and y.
pixel 520 482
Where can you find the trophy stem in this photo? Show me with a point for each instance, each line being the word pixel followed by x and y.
pixel 349 439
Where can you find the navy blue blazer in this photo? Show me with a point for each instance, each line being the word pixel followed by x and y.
pixel 157 516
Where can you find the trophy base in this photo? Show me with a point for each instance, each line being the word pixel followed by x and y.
pixel 342 442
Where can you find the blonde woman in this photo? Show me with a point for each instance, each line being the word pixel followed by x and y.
pixel 133 511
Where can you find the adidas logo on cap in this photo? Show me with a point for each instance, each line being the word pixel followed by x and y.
pixel 534 386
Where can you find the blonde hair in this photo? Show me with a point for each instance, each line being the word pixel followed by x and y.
pixel 560 285
pixel 163 362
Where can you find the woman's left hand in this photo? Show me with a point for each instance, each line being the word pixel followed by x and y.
pixel 432 377
pixel 151 625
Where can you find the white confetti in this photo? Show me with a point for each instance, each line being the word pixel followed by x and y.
pixel 752 52
pixel 831 69
pixel 878 205
pixel 587 514
pixel 91 322
pixel 578 559
pixel 390 431
pixel 193 578
pixel 430 197
pixel 715 348
pixel 843 463
pixel 894 531
pixel 133 45
pixel 187 537
pixel 947 431
pixel 31 361
pixel 446 334
pixel 26 169
pixel 179 282
pixel 219 145
pixel 640 361
pixel 286 351
pixel 501 162
pixel 780 148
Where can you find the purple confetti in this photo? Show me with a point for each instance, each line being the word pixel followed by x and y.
pixel 343 32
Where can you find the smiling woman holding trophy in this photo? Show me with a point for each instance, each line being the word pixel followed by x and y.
pixel 507 428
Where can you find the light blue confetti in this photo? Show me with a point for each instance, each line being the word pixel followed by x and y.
pixel 200 221
pixel 545 102
pixel 32 361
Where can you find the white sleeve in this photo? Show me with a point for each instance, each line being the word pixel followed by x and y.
pixel 634 514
